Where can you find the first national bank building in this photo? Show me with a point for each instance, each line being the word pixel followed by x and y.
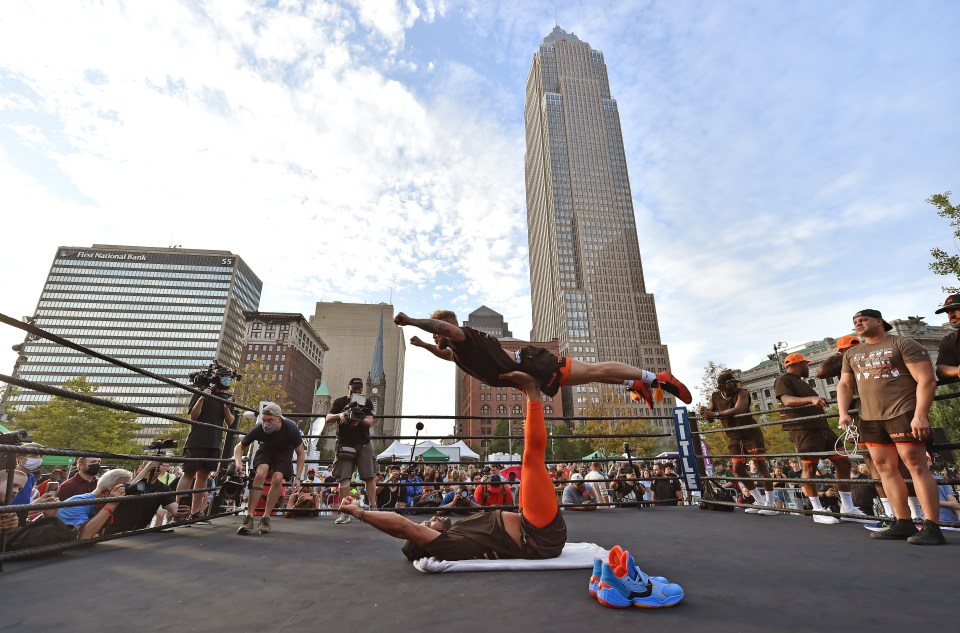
pixel 169 310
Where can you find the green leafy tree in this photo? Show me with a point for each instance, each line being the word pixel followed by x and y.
pixel 946 413
pixel 258 385
pixel 944 263
pixel 65 423
pixel 608 404
pixel 502 444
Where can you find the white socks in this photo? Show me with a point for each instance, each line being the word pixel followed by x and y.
pixel 916 512
pixel 887 508
pixel 646 376
pixel 815 502
pixel 846 501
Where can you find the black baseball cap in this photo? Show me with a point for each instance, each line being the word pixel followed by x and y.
pixel 952 303
pixel 874 314
pixel 356 381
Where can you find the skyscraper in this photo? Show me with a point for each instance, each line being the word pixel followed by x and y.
pixel 586 278
pixel 169 310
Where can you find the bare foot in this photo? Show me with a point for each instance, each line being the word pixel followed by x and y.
pixel 525 382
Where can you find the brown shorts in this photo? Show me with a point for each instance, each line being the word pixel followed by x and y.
pixel 545 542
pixel 887 432
pixel 817 440
pixel 551 371
pixel 750 443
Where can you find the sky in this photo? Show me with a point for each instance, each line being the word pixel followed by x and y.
pixel 780 155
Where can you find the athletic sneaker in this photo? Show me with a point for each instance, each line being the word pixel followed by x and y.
pixel 640 392
pixel 901 530
pixel 619 560
pixel 264 527
pixel 200 519
pixel 929 534
pixel 247 526
pixel 859 516
pixel 879 526
pixel 674 387
pixel 635 589
pixel 825 519
pixel 343 518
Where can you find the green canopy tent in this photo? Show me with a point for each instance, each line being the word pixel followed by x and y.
pixel 600 454
pixel 433 455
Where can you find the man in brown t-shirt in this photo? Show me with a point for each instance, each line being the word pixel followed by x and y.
pixel 812 435
pixel 731 403
pixel 482 356
pixel 894 378
pixel 537 531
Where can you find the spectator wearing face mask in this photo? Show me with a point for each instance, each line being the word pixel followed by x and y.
pixel 28 463
pixel 84 481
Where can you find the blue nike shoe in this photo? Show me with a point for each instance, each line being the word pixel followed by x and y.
pixel 635 589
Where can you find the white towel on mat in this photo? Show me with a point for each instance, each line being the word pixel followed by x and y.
pixel 574 556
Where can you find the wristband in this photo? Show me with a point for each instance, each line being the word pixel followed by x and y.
pixel 110 512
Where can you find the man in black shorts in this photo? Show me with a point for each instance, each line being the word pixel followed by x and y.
pixel 203 441
pixel 894 378
pixel 814 435
pixel 353 414
pixel 482 356
pixel 278 439
pixel 729 403
pixel 537 531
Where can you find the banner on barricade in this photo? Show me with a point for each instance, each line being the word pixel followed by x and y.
pixel 688 457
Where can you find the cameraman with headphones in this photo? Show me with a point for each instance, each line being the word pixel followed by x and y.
pixel 353 414
pixel 203 441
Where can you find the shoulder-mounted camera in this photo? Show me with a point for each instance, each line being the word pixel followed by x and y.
pixel 210 376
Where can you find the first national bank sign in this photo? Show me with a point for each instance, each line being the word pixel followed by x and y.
pixel 127 257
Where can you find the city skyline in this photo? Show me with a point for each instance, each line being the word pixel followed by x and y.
pixel 779 155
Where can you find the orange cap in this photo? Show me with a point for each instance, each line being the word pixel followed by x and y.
pixel 794 358
pixel 847 341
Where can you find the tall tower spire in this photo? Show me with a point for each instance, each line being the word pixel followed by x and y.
pixel 377 378
pixel 586 280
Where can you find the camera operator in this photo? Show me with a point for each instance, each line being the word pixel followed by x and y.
pixel 203 441
pixel 90 520
pixel 136 515
pixel 278 438
pixel 625 483
pixel 426 500
pixel 353 414
pixel 458 501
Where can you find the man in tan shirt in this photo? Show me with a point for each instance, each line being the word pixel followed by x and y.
pixel 894 378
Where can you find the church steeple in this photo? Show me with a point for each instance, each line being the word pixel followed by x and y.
pixel 377 378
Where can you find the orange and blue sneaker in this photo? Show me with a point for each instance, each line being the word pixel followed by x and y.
pixel 616 560
pixel 635 588
pixel 674 387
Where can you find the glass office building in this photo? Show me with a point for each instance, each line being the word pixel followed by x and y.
pixel 169 310
pixel 586 277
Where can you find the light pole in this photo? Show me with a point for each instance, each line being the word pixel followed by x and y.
pixel 779 345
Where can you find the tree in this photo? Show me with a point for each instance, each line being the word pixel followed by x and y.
pixel 608 404
pixel 502 444
pixel 66 423
pixel 943 263
pixel 946 413
pixel 257 386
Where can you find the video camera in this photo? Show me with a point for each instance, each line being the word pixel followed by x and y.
pixel 355 409
pixel 15 437
pixel 233 483
pixel 162 444
pixel 210 376
pixel 137 488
